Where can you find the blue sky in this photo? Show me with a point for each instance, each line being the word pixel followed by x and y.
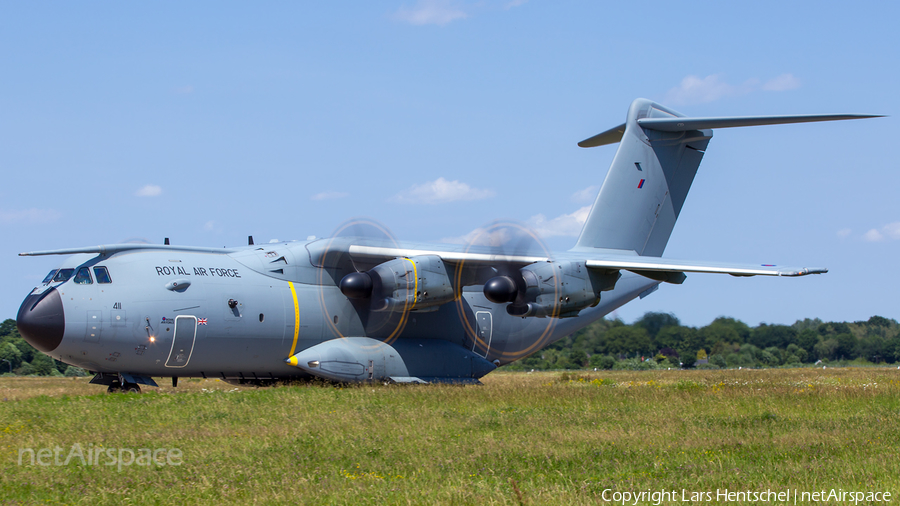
pixel 207 122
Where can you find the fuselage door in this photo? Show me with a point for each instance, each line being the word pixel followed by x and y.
pixel 183 342
pixel 483 327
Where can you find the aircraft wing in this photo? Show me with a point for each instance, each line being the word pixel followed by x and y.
pixel 652 267
pixel 654 264
pixel 110 249
pixel 370 253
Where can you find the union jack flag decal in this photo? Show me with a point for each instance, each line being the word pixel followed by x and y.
pixel 201 321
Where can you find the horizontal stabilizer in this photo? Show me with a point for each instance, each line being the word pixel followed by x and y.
pixel 683 124
pixel 611 136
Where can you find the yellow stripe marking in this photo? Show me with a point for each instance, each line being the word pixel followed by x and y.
pixel 296 319
pixel 416 284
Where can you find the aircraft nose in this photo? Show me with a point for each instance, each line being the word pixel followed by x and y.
pixel 41 321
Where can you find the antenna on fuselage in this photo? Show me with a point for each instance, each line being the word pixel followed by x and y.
pixel 166 241
pixel 249 240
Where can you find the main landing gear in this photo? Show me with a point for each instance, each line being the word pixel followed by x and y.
pixel 122 382
pixel 116 387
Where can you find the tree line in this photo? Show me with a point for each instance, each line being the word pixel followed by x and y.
pixel 660 340
pixel 19 358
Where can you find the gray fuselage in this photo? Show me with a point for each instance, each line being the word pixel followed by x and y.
pixel 282 304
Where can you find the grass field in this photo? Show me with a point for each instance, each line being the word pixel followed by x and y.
pixel 521 438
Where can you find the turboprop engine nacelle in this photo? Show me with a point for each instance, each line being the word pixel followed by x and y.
pixel 555 289
pixel 415 283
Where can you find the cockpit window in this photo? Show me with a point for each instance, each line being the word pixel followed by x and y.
pixel 49 277
pixel 102 275
pixel 83 277
pixel 63 275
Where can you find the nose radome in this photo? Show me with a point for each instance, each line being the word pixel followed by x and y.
pixel 41 321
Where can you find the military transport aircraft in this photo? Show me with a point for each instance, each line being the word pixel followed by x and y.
pixel 358 307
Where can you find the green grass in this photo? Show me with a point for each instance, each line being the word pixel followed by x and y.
pixel 539 438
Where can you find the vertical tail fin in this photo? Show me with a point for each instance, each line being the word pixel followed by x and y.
pixel 646 185
pixel 654 167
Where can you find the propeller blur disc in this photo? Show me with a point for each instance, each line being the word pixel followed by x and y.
pixel 502 285
pixel 355 285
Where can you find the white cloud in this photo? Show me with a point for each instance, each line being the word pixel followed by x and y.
pixel 213 226
pixel 329 195
pixel 588 194
pixel 844 232
pixel 873 236
pixel 29 216
pixel 430 12
pixel 696 90
pixel 892 230
pixel 150 190
pixel 483 237
pixel 441 191
pixel 565 225
pixel 784 82
pixel 889 231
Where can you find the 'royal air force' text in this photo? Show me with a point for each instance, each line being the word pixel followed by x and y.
pixel 198 271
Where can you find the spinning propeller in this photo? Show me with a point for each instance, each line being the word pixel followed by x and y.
pixel 384 283
pixel 367 287
pixel 505 282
